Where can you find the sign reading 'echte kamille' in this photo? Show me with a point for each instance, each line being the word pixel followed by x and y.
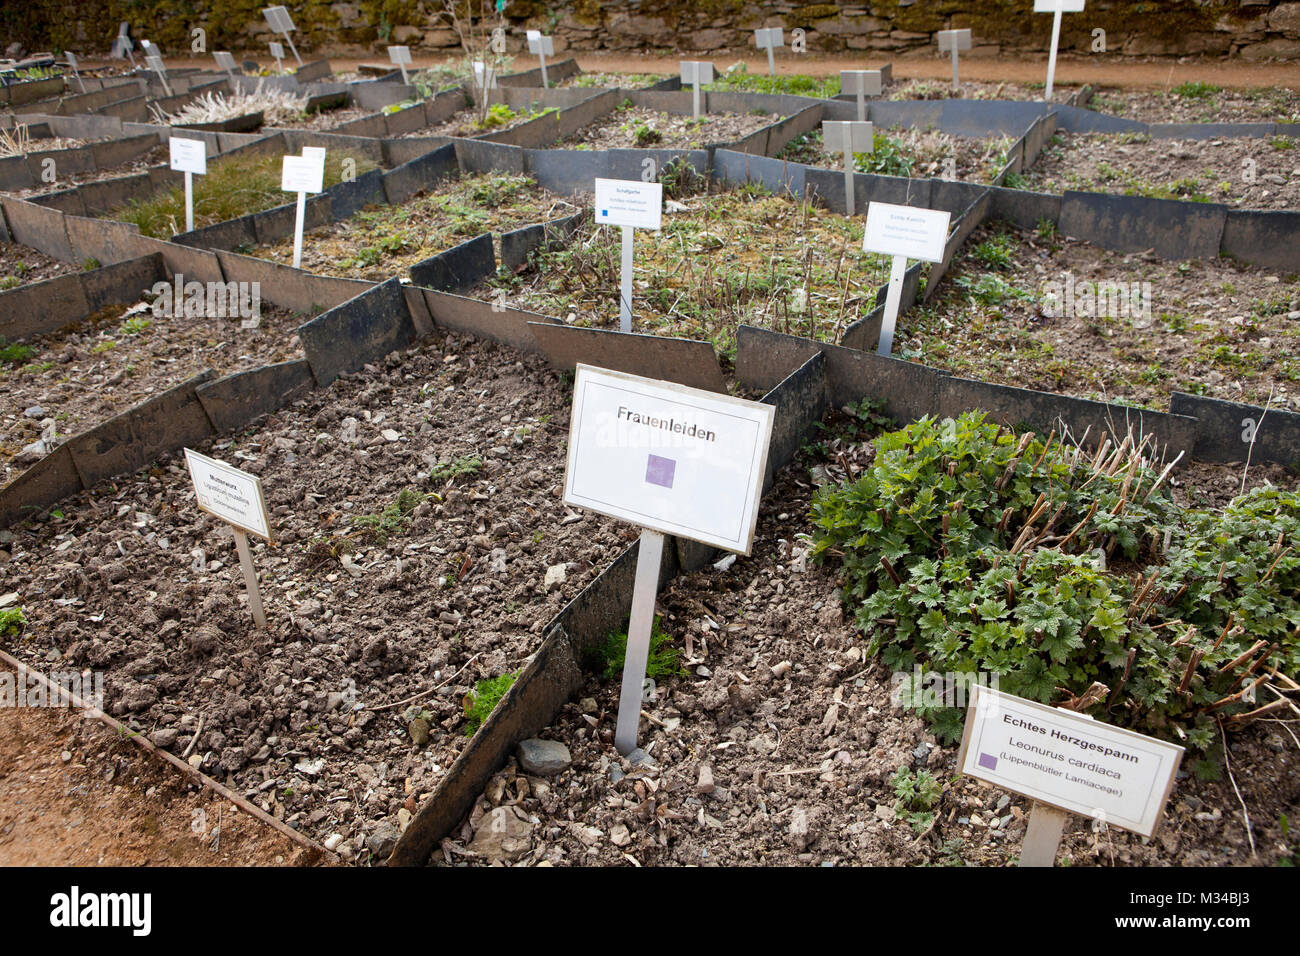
pixel 663 456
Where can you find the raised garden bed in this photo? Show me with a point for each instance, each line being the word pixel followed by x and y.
pixel 1214 326
pixel 1196 102
pixel 1253 173
pixel 918 153
pixel 383 241
pixel 88 373
pixel 721 259
pixel 637 127
pixel 21 264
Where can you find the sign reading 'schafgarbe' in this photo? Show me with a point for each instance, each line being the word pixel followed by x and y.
pixel 678 460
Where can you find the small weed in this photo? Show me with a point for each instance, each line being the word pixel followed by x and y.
pixel 392 519
pixel 1195 90
pixel 463 467
pixel 996 252
pixel 664 661
pixel 15 353
pixel 12 622
pixel 135 325
pixel 918 794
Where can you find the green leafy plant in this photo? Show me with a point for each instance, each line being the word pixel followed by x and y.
pixel 483 699
pixel 135 325
pixel 14 353
pixel 645 135
pixel 12 621
pixel 967 548
pixel 888 158
pixel 664 660
pixel 996 252
pixel 1196 90
pixel 392 519
pixel 917 795
pixel 465 466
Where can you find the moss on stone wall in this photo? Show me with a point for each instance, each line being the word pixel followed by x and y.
pixel 89 25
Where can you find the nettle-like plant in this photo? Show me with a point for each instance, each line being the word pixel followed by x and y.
pixel 1069 575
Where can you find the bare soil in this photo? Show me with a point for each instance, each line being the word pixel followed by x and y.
pixel 1200 104
pixel 371 608
pixel 73 793
pixel 21 264
pixel 1215 327
pixel 641 128
pixel 971 89
pixel 83 375
pixel 1247 172
pixel 800 737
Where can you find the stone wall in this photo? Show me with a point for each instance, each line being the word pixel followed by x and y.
pixel 1250 29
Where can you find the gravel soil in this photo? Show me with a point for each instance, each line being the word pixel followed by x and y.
pixel 1217 327
pixel 81 376
pixel 21 264
pixel 1246 172
pixel 778 746
pixel 636 127
pixel 375 599
pixel 1192 103
pixel 927 89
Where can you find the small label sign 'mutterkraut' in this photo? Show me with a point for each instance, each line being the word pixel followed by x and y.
pixel 678 460
pixel 1068 761
pixel 626 202
pixel 906 231
pixel 232 495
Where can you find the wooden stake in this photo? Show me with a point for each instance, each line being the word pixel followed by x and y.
pixel 1043 837
pixel 250 577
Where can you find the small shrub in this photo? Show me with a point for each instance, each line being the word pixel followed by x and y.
pixel 463 467
pixel 12 621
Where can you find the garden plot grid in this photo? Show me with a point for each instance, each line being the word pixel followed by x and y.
pixel 395 570
pixel 397 582
pixel 384 240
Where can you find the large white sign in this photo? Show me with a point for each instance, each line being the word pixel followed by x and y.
pixel 1065 760
pixel 303 174
pixel 188 155
pixel 837 136
pixel 696 72
pixel 278 19
pixel 906 231
pixel 400 55
pixel 766 39
pixel 626 202
pixel 540 45
pixel 670 458
pixel 232 495
pixel 1063 6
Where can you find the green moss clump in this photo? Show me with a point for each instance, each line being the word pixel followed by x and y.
pixel 664 661
pixel 483 699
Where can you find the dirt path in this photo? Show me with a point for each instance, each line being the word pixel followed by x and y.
pixel 73 793
pixel 1030 68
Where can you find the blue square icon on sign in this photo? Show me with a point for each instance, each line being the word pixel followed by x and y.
pixel 604 214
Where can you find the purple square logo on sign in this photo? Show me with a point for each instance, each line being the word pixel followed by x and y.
pixel 660 471
pixel 988 761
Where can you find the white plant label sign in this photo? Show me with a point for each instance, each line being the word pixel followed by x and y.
pixel 303 174
pixel 188 155
pixel 663 456
pixel 627 202
pixel 906 231
pixel 1068 761
pixel 232 495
